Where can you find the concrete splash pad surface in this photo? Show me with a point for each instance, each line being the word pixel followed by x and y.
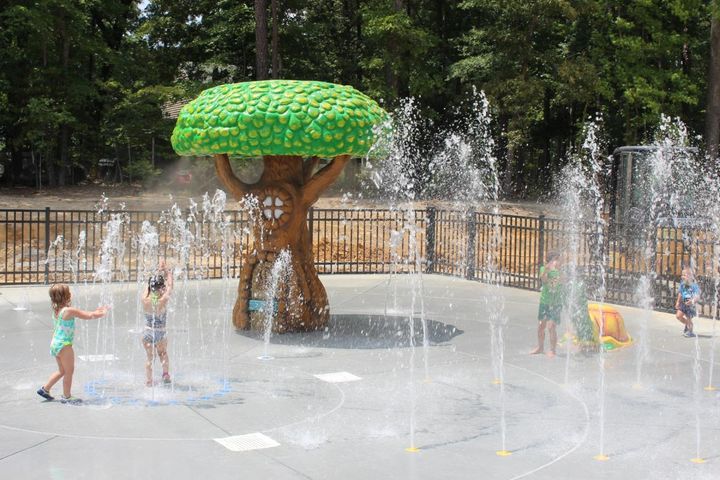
pixel 337 404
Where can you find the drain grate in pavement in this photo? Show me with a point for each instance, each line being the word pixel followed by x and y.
pixel 244 443
pixel 98 358
pixel 337 377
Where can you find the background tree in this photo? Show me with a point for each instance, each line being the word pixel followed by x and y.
pixel 398 50
pixel 712 116
pixel 652 64
pixel 515 52
pixel 261 38
pixel 70 72
pixel 275 36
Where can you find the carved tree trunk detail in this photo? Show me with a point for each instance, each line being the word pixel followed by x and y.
pixel 286 190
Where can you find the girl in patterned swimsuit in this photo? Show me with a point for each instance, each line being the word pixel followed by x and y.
pixel 61 346
pixel 155 300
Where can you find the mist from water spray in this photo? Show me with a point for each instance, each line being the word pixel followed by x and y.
pixel 571 185
pixel 280 276
pixel 711 186
pixel 671 201
pixel 189 242
pixel 693 210
pixel 395 177
pixel 112 248
pixel 181 233
pixel 580 190
pixel 462 171
pixel 466 173
pixel 669 177
pixel 468 161
pixel 147 246
pixel 579 187
pixel 675 196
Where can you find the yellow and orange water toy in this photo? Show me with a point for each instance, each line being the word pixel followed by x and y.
pixel 615 335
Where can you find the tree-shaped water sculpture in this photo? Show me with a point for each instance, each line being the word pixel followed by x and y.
pixel 291 125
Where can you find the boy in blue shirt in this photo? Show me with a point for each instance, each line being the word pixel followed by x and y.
pixel 685 305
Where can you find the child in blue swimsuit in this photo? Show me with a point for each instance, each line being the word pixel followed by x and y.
pixel 686 303
pixel 155 300
pixel 61 345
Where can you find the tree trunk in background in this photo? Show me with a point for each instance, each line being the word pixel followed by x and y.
pixel 359 39
pixel 286 190
pixel 351 178
pixel 64 128
pixel 275 40
pixel 51 170
pixel 520 187
pixel 64 158
pixel 351 39
pixel 14 169
pixel 503 152
pixel 686 65
pixel 544 170
pixel 392 73
pixel 507 180
pixel 712 115
pixel 261 40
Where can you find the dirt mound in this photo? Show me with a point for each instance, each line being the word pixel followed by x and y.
pixel 135 197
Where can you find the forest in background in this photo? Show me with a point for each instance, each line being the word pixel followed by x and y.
pixel 85 85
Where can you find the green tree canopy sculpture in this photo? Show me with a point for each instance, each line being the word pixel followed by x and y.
pixel 278 117
pixel 290 124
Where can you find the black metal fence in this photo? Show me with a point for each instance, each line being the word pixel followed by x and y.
pixel 48 246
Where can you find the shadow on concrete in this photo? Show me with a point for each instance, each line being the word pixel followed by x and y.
pixel 359 331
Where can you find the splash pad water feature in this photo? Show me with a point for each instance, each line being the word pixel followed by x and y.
pixel 350 386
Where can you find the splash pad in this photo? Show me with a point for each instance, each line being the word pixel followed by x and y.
pixel 461 404
pixel 346 389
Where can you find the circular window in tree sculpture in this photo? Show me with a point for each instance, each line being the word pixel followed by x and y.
pixel 292 125
pixel 276 204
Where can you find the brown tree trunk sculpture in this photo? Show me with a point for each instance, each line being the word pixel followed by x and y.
pixel 285 191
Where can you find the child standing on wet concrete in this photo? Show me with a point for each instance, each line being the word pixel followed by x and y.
pixel 550 304
pixel 61 346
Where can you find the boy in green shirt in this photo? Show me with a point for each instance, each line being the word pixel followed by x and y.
pixel 550 303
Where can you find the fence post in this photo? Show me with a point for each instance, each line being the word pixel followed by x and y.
pixel 430 239
pixel 472 240
pixel 47 244
pixel 541 245
pixel 311 215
